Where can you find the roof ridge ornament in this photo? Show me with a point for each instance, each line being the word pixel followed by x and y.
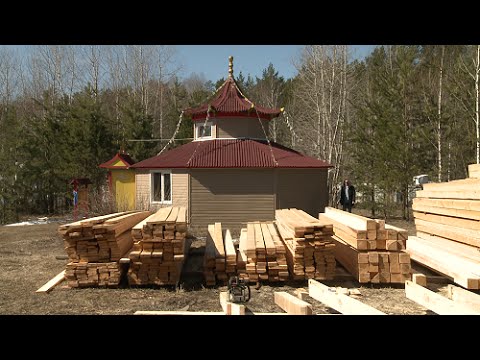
pixel 230 66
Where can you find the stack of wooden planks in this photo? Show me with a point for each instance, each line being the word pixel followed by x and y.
pixel 159 250
pixel 447 220
pixel 93 274
pixel 308 243
pixel 363 233
pixel 102 238
pixel 261 253
pixel 95 245
pixel 369 249
pixel 215 263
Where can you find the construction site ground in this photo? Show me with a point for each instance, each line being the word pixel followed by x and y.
pixel 32 255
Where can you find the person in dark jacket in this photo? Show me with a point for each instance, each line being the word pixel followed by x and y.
pixel 347 195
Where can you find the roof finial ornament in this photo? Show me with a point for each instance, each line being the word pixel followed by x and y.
pixel 230 66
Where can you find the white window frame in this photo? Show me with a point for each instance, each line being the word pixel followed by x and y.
pixel 162 172
pixel 197 130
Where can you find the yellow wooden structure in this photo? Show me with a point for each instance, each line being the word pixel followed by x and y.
pixel 121 180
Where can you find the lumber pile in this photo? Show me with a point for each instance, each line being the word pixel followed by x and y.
pixel 261 253
pixel 102 238
pixel 83 274
pixel 218 264
pixel 447 220
pixel 159 249
pixel 369 249
pixel 309 244
pixel 95 245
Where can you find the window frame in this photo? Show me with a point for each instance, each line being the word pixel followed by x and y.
pixel 198 127
pixel 162 187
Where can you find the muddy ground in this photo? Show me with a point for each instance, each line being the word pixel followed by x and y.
pixel 28 259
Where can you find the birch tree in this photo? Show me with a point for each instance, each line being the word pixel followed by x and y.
pixel 322 91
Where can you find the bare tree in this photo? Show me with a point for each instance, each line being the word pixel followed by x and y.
pixel 439 115
pixel 94 57
pixel 472 69
pixel 322 91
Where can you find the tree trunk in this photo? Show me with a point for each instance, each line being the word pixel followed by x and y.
pixel 477 119
pixel 439 118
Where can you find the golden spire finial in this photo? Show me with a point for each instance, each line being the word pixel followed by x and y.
pixel 230 66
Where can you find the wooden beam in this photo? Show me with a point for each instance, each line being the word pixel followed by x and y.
pixel 470 252
pixel 419 279
pixel 464 297
pixel 354 221
pixel 160 216
pixel 457 204
pixel 448 220
pixel 358 234
pixel 172 217
pixel 430 279
pixel 474 171
pixel 291 304
pixel 341 303
pixel 444 262
pixel 466 236
pixel 459 213
pixel 435 302
pixel 52 283
pixel 230 252
pixel 402 234
pixel 454 185
pixel 230 308
pixel 268 239
pixel 301 293
pixel 448 194
pixel 154 312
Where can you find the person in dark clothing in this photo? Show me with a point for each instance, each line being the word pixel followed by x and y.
pixel 347 196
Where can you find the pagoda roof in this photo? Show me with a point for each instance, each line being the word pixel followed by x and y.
pixel 228 100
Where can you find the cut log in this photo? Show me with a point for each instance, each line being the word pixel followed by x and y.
pixel 435 302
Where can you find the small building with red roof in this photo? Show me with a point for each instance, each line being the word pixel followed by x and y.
pixel 121 180
pixel 231 173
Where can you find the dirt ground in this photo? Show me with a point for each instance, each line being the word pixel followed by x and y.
pixel 28 259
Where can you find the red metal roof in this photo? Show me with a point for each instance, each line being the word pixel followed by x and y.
pixel 229 99
pixel 125 158
pixel 234 153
